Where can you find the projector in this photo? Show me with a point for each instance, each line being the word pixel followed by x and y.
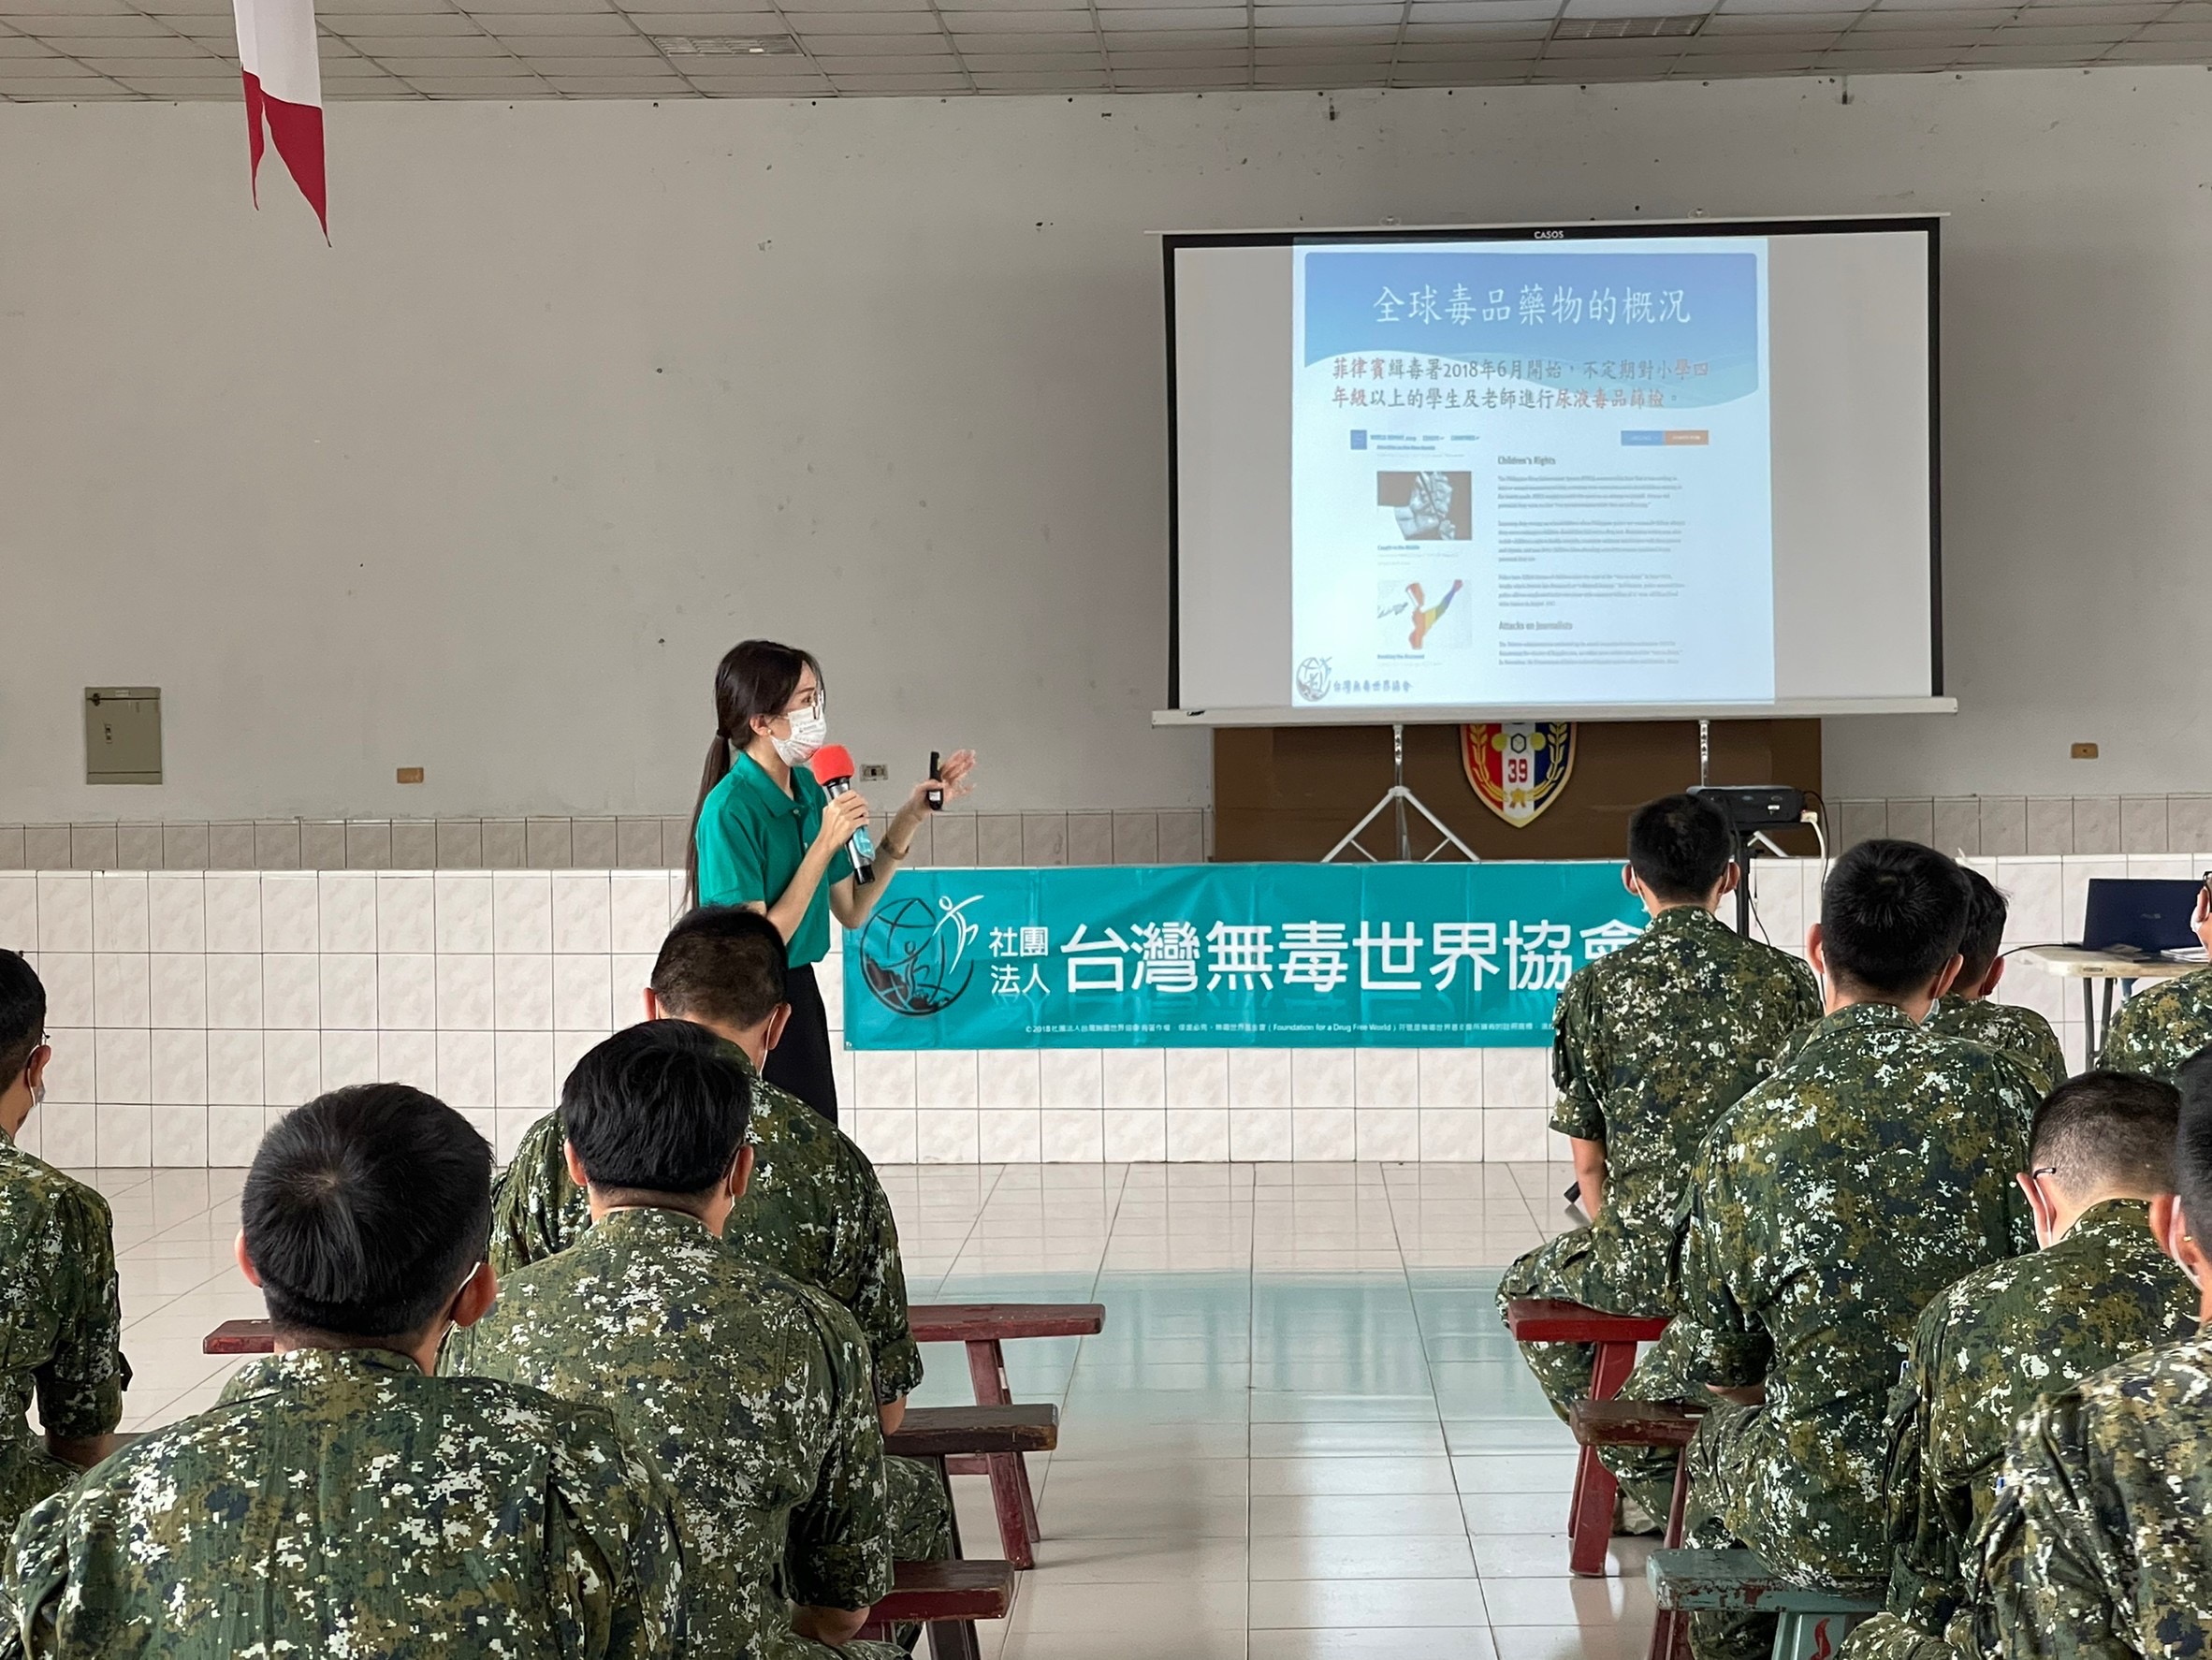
pixel 1755 806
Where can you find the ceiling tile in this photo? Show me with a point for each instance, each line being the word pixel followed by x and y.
pixel 573 68
pixel 18 46
pixel 1033 63
pixel 36 8
pixel 131 68
pixel 1010 23
pixel 1776 43
pixel 876 23
pixel 1429 32
pixel 546 25
pixel 1166 79
pixel 463 86
pixel 906 84
pixel 2161 51
pixel 1214 58
pixel 1030 46
pixel 403 25
pixel 433 46
pixel 682 23
pixel 618 86
pixel 599 46
pixel 1487 11
pixel 839 69
pixel 1185 17
pixel 161 46
pixel 476 68
pixel 1384 34
pixel 1173 39
pixel 861 45
pixel 110 27
pixel 1767 22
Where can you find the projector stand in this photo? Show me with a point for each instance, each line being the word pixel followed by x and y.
pixel 1395 800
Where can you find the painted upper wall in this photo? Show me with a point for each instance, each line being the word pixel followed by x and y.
pixel 582 393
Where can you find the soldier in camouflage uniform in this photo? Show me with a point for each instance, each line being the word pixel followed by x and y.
pixel 750 1389
pixel 2098 1544
pixel 814 1209
pixel 341 1499
pixel 2098 1291
pixel 1650 1045
pixel 61 1316
pixel 1829 1206
pixel 2156 1030
pixel 1966 1011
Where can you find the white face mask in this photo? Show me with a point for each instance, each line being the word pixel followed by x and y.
pixel 809 731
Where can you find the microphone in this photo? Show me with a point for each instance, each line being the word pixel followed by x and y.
pixel 833 770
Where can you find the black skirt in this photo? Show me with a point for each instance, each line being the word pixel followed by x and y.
pixel 801 1061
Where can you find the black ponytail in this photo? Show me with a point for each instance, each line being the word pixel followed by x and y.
pixel 754 678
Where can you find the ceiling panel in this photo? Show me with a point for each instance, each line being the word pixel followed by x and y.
pixel 594 49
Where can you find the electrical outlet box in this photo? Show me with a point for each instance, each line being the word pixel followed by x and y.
pixel 874 772
pixel 2084 752
pixel 123 735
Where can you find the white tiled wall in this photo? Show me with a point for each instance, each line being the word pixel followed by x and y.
pixel 187 1006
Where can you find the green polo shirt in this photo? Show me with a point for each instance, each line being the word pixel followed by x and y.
pixel 751 836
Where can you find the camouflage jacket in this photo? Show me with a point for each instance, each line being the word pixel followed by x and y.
pixel 750 1389
pixel 61 1322
pixel 1830 1205
pixel 1982 1354
pixel 2102 1531
pixel 341 1502
pixel 2009 1030
pixel 1650 1046
pixel 2160 1028
pixel 813 1210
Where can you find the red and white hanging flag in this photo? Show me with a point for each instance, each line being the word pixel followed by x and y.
pixel 276 48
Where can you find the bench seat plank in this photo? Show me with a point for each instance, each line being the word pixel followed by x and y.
pixel 1739 1581
pixel 1001 1322
pixel 927 1593
pixel 937 1432
pixel 1547 1320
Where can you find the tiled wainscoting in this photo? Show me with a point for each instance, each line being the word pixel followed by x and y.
pixel 1998 827
pixel 1180 835
pixel 188 1005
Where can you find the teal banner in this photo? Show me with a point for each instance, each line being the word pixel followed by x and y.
pixel 1431 956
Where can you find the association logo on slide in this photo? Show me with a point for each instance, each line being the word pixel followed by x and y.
pixel 914 958
pixel 1312 678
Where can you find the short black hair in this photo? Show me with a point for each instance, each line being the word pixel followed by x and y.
pixel 1986 912
pixel 365 1210
pixel 2108 1131
pixel 724 964
pixel 22 1015
pixel 2192 1144
pixel 660 1107
pixel 1891 915
pixel 1679 846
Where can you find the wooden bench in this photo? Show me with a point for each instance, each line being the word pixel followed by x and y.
pixel 1649 1423
pixel 1812 1624
pixel 1545 1320
pixel 948 1597
pixel 984 1328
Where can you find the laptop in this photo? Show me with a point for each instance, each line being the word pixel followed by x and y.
pixel 2140 917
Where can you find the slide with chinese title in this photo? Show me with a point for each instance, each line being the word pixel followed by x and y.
pixel 1606 471
pixel 1531 473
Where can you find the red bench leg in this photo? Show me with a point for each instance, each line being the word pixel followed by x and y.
pixel 1010 1495
pixel 1589 1512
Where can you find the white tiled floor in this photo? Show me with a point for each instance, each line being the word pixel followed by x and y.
pixel 1303 1434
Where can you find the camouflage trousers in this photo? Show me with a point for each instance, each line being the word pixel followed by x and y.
pixel 1734 1489
pixel 921 1524
pixel 1569 1268
pixel 921 1512
pixel 1887 1637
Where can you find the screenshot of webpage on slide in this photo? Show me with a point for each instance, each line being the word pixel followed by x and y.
pixel 1531 472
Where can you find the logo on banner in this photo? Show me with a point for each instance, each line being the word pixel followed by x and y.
pixel 914 958
pixel 1312 678
pixel 1519 767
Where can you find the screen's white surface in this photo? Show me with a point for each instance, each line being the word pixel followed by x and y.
pixel 1802 571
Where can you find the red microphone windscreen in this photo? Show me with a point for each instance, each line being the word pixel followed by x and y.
pixel 831 763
